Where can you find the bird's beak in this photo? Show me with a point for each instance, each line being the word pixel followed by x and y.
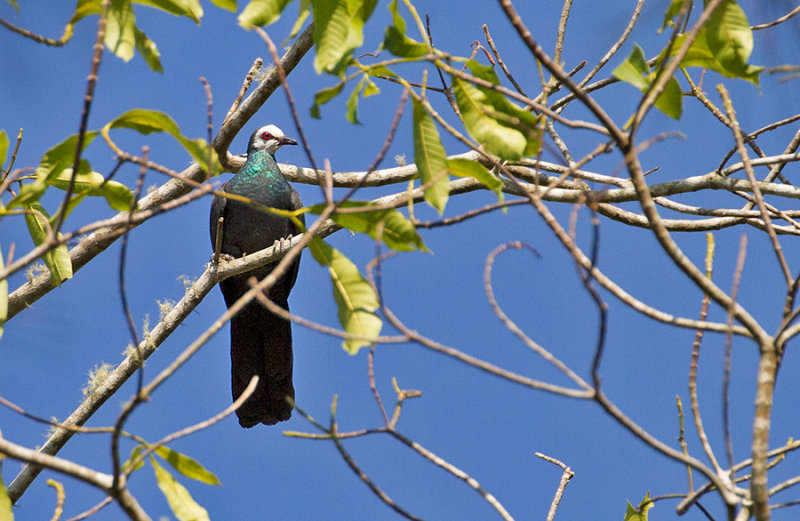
pixel 283 140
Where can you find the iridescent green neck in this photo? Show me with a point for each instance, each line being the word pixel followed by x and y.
pixel 259 178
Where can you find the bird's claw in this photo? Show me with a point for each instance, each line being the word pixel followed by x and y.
pixel 282 245
pixel 225 257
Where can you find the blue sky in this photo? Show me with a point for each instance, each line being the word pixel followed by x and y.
pixel 488 427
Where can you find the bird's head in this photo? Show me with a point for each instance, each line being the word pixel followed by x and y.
pixel 268 138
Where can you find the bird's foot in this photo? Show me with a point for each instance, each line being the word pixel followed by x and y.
pixel 224 257
pixel 282 245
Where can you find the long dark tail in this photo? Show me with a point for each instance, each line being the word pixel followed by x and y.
pixel 261 344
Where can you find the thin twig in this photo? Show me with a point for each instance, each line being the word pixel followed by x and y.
pixel 36 37
pixel 617 45
pixel 511 326
pixel 566 476
pixel 780 20
pixel 248 79
pixel 737 133
pixel 726 375
pixel 87 104
pixel 92 511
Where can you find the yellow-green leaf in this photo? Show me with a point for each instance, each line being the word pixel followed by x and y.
pixel 384 224
pixel 3 148
pixel 93 184
pixel 352 103
pixel 302 15
pixel 430 156
pixel 52 164
pixel 134 454
pixel 324 96
pixel 180 501
pixel 189 8
pixel 478 115
pixel 506 113
pixel 61 156
pixel 147 121
pixel 670 101
pixel 149 51
pixel 338 29
pixel 120 29
pixel 397 42
pixel 636 71
pixel 261 12
pixel 57 260
pixel 466 168
pixel 355 298
pixel 723 45
pixel 6 514
pixel 230 5
pixel 189 467
pixel 672 11
pixel 639 514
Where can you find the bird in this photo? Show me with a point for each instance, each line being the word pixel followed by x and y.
pixel 261 341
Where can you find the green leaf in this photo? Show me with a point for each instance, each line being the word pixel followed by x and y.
pixel 381 70
pixel 466 168
pixel 230 5
pixel 261 12
pixel 149 121
pixel 117 195
pixel 338 29
pixel 634 69
pixel 180 501
pixel 29 193
pixel 672 11
pixel 478 116
pixel 57 260
pixel 3 317
pixel 93 184
pixel 324 96
pixel 187 466
pixel 640 514
pixel 384 224
pixel 396 42
pixel 134 454
pixel 61 156
pixel 16 8
pixel 670 101
pixel 354 297
pixel 120 29
pixel 83 9
pixel 3 148
pixel 723 45
pixel 189 8
pixel 352 103
pixel 305 10
pixel 51 166
pixel 430 156
pixel 729 36
pixel 6 513
pixel 149 51
pixel 370 89
pixel 507 113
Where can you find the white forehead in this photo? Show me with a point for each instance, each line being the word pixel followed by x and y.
pixel 272 129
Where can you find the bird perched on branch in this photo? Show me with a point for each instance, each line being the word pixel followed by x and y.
pixel 261 342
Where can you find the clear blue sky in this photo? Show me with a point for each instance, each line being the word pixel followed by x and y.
pixel 487 427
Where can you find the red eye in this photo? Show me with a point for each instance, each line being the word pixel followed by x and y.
pixel 266 136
